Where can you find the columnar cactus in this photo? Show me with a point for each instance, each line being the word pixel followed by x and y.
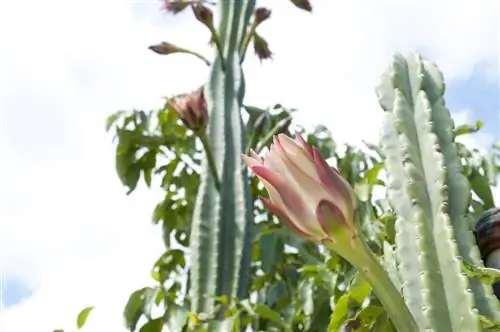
pixel 430 197
pixel 221 234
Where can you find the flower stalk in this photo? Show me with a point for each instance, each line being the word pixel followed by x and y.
pixel 357 253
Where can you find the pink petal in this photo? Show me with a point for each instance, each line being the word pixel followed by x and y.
pixel 293 151
pixel 282 190
pixel 302 142
pixel 334 182
pixel 251 161
pixel 274 209
pixel 303 194
pixel 331 218
pixel 254 154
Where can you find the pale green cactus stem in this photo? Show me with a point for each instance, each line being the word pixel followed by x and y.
pixel 221 236
pixel 430 196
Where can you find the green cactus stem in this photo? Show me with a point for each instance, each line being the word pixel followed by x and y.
pixel 430 197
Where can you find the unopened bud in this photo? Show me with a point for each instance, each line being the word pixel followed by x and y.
pixel 166 48
pixel 303 4
pixel 203 14
pixel 261 14
pixel 175 6
pixel 261 47
pixel 191 109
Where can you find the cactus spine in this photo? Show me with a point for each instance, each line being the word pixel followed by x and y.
pixel 430 196
pixel 221 234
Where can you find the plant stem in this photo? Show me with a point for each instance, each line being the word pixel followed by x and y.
pixel 210 160
pixel 246 42
pixel 362 258
pixel 218 45
pixel 199 56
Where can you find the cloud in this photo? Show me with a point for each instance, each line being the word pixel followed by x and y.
pixel 480 140
pixel 68 231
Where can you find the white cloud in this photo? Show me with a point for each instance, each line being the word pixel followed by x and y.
pixel 480 140
pixel 67 228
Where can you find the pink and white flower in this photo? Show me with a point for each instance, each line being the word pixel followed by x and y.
pixel 309 196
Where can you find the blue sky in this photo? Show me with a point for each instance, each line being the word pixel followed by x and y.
pixel 67 224
pixel 480 95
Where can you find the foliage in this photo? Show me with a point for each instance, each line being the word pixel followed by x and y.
pixel 293 285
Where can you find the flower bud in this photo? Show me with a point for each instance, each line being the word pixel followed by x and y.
pixel 165 48
pixel 310 197
pixel 260 15
pixel 175 6
pixel 203 14
pixel 191 109
pixel 261 47
pixel 303 4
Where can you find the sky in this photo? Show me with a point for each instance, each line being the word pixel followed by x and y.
pixel 69 235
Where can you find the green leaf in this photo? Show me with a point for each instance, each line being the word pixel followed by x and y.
pixel 354 298
pixel 83 316
pixel 489 324
pixel 176 317
pixel 368 316
pixel 486 275
pixel 481 187
pixel 139 303
pixel 266 312
pixel 112 119
pixel 468 129
pixel 155 325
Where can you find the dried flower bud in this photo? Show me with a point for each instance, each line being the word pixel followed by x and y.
pixel 165 48
pixel 261 47
pixel 261 14
pixel 192 109
pixel 203 14
pixel 175 6
pixel 303 4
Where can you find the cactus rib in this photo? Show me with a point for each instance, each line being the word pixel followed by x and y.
pixel 406 96
pixel 221 232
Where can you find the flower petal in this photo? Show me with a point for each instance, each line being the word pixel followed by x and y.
pixel 302 142
pixel 284 218
pixel 281 192
pixel 296 153
pixel 334 182
pixel 251 161
pixel 301 211
pixel 254 154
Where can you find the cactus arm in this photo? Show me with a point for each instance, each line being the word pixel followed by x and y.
pixel 221 232
pixel 407 244
pixel 390 264
pixel 458 189
pixel 447 305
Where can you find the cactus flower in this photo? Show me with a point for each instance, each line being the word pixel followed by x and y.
pixel 318 204
pixel 261 47
pixel 192 109
pixel 308 195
